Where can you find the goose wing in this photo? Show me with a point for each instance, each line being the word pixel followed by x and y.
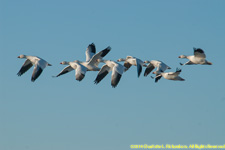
pixel 117 72
pixel 139 66
pixel 65 70
pixel 99 55
pixel 102 73
pixel 198 52
pixel 36 72
pixel 90 52
pixel 158 77
pixel 149 68
pixel 127 65
pixel 40 64
pixel 80 72
pixel 26 66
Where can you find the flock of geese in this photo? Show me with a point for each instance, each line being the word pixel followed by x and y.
pixel 93 60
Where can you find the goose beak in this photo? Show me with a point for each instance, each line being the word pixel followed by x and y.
pixel 18 57
pixel 49 65
pixel 179 57
pixel 60 63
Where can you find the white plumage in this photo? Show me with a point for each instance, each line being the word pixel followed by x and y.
pixel 39 65
pixel 117 71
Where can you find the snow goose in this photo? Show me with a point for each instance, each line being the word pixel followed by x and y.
pixel 92 59
pixel 161 67
pixel 75 65
pixel 117 71
pixel 39 65
pixel 169 75
pixel 91 63
pixel 198 58
pixel 129 61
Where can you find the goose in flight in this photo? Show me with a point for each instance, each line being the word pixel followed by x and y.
pixel 161 67
pixel 169 75
pixel 117 71
pixel 39 65
pixel 198 58
pixel 91 63
pixel 92 59
pixel 80 70
pixel 129 61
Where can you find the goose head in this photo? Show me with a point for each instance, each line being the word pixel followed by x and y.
pixel 121 59
pixel 22 56
pixel 64 63
pixel 182 56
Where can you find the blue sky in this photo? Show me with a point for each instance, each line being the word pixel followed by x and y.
pixel 62 113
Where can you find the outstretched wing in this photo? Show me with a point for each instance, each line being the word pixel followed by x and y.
pixel 158 77
pixel 80 72
pixel 139 67
pixel 149 68
pixel 117 72
pixel 198 52
pixel 90 52
pixel 36 73
pixel 99 55
pixel 26 66
pixel 127 65
pixel 65 70
pixel 102 73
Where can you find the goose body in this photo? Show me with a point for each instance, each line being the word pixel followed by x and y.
pixel 39 66
pixel 198 58
pixel 161 67
pixel 170 76
pixel 80 70
pixel 117 71
pixel 133 61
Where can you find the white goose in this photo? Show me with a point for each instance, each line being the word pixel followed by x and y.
pixel 75 65
pixel 39 65
pixel 198 58
pixel 92 59
pixel 129 61
pixel 117 71
pixel 169 75
pixel 161 67
pixel 91 63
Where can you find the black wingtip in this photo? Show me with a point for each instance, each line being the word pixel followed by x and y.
pixel 96 82
pixel 178 70
pixel 105 51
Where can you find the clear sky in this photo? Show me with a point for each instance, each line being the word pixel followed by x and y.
pixel 62 113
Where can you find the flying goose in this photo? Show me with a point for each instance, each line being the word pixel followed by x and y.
pixel 92 59
pixel 117 71
pixel 91 63
pixel 75 65
pixel 198 58
pixel 169 75
pixel 161 67
pixel 39 65
pixel 129 61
